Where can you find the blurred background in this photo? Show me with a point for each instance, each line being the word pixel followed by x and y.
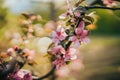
pixel 99 60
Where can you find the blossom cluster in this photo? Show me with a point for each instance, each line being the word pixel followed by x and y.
pixel 14 65
pixel 20 75
pixel 66 41
pixel 109 3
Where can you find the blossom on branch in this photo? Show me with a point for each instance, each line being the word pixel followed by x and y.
pixel 58 35
pixel 20 75
pixel 62 55
pixel 80 35
pixel 109 3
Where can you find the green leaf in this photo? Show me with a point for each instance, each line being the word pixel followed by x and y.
pixel 89 19
pixel 68 22
pixel 68 62
pixel 67 31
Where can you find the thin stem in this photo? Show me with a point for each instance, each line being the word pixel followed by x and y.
pixel 46 75
pixel 2 64
pixel 100 7
pixel 69 5
pixel 70 8
pixel 78 2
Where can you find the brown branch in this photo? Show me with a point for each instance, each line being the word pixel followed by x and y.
pixel 46 75
pixel 78 2
pixel 100 7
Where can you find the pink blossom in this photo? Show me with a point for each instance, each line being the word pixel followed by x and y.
pixel 109 3
pixel 78 63
pixel 77 14
pixel 62 72
pixel 80 28
pixel 28 76
pixel 20 75
pixel 70 54
pixel 29 53
pixel 81 35
pixel 57 50
pixel 10 51
pixel 65 56
pixel 58 35
pixel 64 15
pixel 59 62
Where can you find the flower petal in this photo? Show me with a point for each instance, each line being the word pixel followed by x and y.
pixel 81 25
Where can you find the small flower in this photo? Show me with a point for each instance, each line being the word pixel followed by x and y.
pixel 81 35
pixel 10 51
pixel 59 62
pixel 20 75
pixel 28 53
pixel 64 56
pixel 109 3
pixel 58 35
pixel 62 72
pixel 58 50
pixel 80 28
pixel 77 14
pixel 64 15
pixel 28 76
pixel 15 48
pixel 70 54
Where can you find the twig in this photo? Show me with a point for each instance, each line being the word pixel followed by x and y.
pixel 78 2
pixel 2 64
pixel 100 7
pixel 46 75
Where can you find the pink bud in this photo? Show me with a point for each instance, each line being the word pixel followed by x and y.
pixel 10 51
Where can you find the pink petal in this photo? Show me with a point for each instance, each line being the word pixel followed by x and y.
pixel 73 38
pixel 60 33
pixel 31 54
pixel 86 40
pixel 59 62
pixel 58 49
pixel 56 41
pixel 78 31
pixel 72 51
pixel 84 33
pixel 77 14
pixel 74 57
pixel 53 34
pixel 76 44
pixel 10 51
pixel 81 25
pixel 63 16
pixel 70 55
pixel 66 57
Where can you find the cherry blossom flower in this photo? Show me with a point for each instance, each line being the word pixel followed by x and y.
pixel 64 15
pixel 57 50
pixel 70 54
pixel 109 3
pixel 59 62
pixel 20 75
pixel 58 35
pixel 77 14
pixel 63 56
pixel 10 51
pixel 62 72
pixel 29 53
pixel 81 35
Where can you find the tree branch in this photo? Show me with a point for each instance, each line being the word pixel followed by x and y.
pixel 46 75
pixel 100 7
